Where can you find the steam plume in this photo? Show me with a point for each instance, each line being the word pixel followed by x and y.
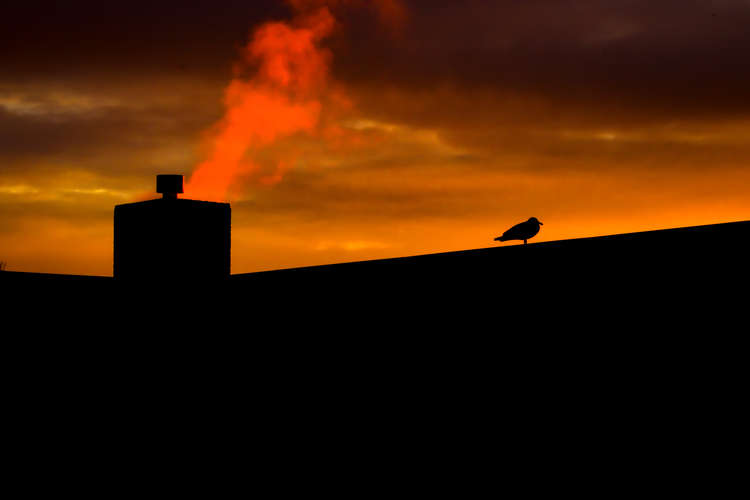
pixel 279 89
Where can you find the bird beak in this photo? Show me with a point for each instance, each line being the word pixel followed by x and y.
pixel 540 223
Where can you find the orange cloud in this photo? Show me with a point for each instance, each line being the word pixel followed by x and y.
pixel 284 96
pixel 288 87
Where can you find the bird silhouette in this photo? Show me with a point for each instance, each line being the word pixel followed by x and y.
pixel 522 231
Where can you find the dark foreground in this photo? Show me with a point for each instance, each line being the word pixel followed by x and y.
pixel 591 365
pixel 648 281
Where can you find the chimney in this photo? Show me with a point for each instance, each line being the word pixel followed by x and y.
pixel 172 239
pixel 169 186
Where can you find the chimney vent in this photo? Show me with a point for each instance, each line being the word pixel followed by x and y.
pixel 169 186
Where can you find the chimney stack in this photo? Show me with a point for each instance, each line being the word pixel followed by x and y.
pixel 169 186
pixel 172 239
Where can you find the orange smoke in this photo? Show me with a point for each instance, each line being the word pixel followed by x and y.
pixel 280 88
pixel 281 98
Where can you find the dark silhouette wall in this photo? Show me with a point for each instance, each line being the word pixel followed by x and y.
pixel 172 239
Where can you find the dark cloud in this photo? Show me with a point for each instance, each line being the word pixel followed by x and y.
pixel 672 56
pixel 89 37
pixel 117 133
pixel 665 57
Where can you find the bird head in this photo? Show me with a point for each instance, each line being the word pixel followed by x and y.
pixel 535 221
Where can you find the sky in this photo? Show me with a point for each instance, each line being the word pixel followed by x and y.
pixel 347 130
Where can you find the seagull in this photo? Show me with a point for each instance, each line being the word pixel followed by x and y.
pixel 522 231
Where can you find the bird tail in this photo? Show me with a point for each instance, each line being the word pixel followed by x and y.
pixel 500 238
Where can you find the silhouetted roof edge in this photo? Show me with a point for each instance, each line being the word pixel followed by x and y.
pixel 541 244
pixel 182 201
pixel 53 276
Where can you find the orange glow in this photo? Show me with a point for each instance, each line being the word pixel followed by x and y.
pixel 283 97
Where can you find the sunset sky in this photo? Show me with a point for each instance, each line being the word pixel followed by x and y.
pixel 348 130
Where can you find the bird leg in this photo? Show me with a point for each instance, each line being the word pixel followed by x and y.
pixel 524 242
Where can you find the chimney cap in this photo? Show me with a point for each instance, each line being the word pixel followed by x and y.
pixel 169 185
